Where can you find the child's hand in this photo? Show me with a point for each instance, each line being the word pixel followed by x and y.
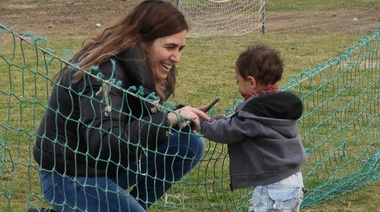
pixel 220 116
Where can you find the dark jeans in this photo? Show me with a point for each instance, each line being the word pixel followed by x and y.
pixel 151 177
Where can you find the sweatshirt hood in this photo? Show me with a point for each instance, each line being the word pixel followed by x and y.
pixel 280 105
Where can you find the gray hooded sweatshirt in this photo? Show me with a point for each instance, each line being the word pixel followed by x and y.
pixel 263 139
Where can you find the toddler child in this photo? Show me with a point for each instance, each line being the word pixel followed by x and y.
pixel 264 144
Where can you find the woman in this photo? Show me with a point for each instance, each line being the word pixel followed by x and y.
pixel 95 142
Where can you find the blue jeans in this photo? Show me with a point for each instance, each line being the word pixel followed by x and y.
pixel 285 195
pixel 147 180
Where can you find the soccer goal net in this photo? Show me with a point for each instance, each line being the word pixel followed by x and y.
pixel 223 17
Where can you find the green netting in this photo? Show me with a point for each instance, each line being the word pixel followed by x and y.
pixel 339 128
pixel 340 124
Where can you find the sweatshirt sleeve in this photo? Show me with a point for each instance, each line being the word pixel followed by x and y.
pixel 230 130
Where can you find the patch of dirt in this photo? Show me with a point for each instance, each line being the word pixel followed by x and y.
pixel 79 18
pixel 322 22
pixel 61 18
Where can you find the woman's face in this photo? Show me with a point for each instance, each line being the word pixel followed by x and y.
pixel 164 53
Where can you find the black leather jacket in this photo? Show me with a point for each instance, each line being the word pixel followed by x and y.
pixel 75 136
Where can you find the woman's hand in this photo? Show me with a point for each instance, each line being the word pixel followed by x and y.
pixel 187 115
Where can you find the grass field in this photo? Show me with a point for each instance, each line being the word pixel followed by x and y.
pixel 306 33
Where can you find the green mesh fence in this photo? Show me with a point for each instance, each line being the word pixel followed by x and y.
pixel 340 124
pixel 339 129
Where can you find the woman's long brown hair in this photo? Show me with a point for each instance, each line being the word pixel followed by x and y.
pixel 149 20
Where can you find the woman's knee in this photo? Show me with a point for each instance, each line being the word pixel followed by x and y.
pixel 198 147
pixel 192 146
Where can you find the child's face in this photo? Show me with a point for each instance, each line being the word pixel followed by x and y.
pixel 246 86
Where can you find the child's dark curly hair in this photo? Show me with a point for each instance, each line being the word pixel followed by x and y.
pixel 262 63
